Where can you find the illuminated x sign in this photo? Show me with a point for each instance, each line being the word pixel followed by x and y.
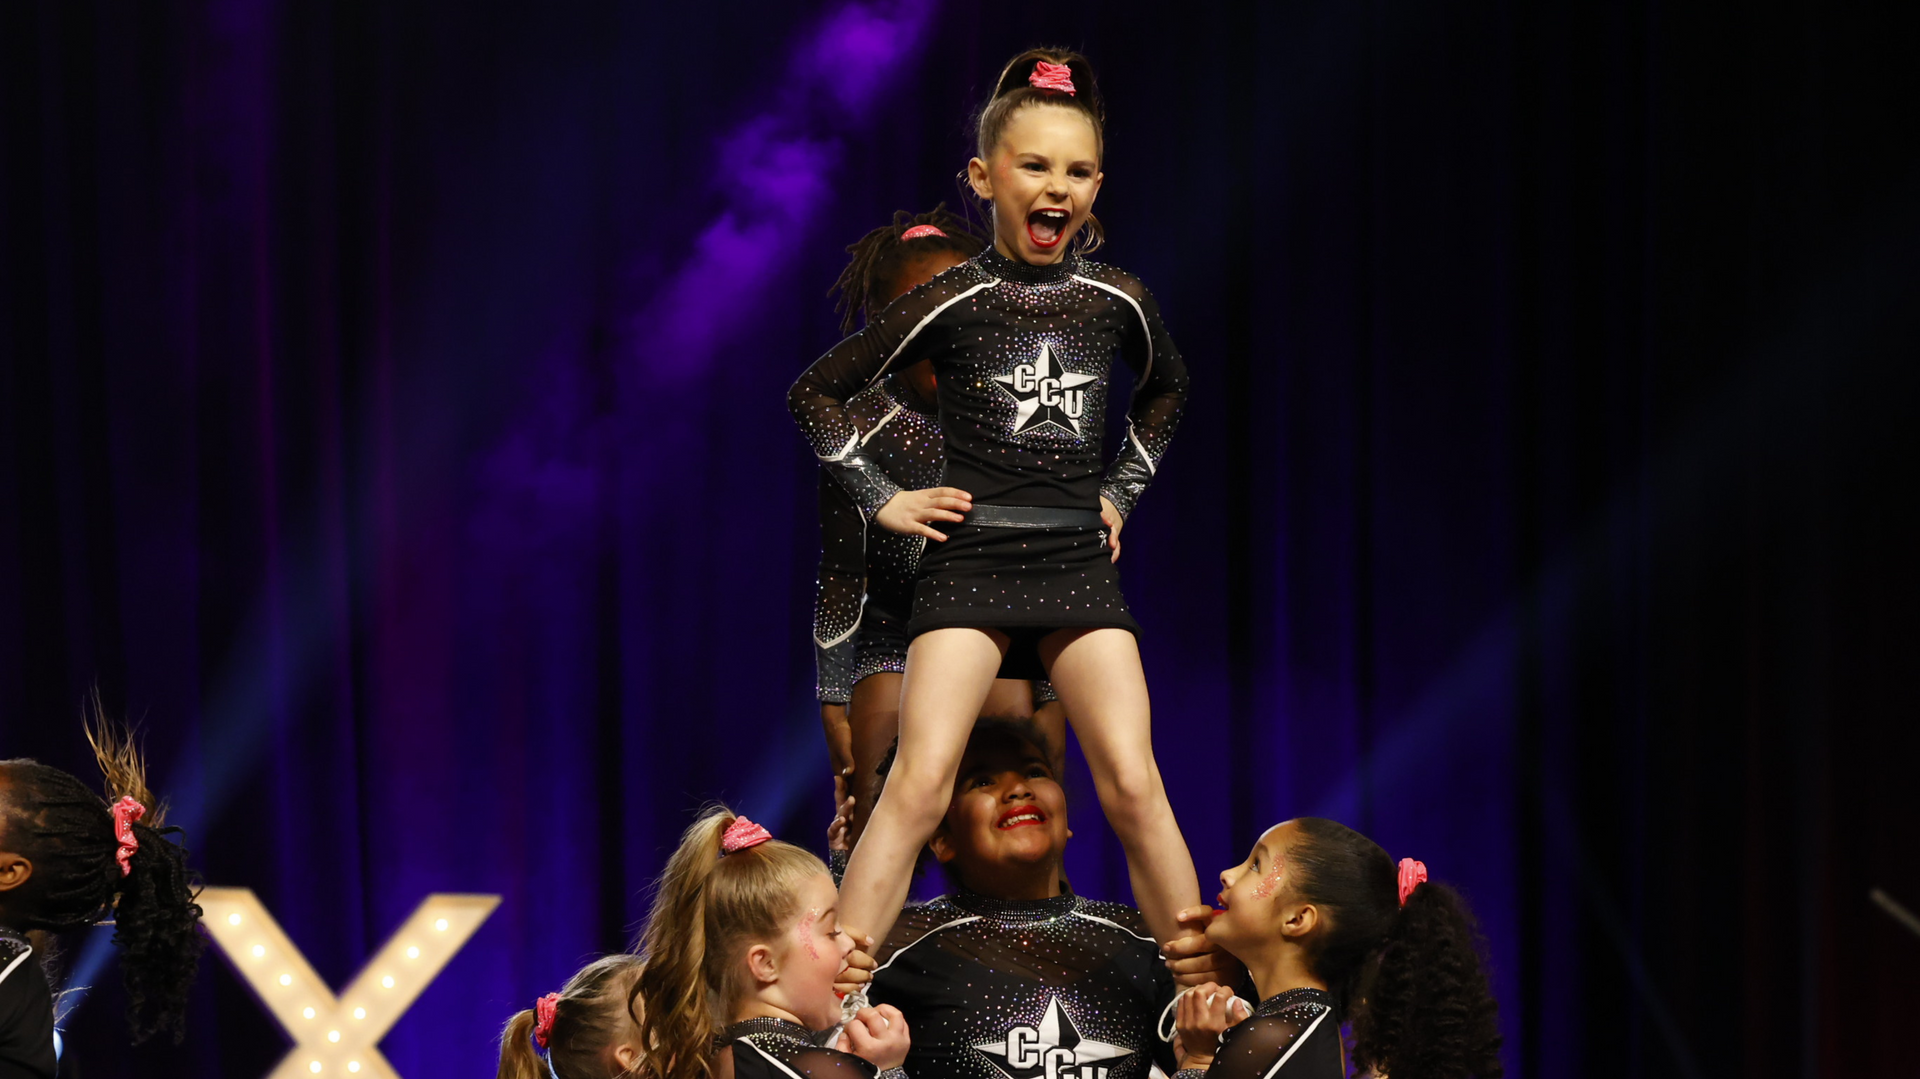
pixel 337 1035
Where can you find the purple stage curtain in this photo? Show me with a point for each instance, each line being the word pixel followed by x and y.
pixel 391 422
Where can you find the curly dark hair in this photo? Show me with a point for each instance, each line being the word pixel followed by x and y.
pixel 66 830
pixel 880 255
pixel 1412 979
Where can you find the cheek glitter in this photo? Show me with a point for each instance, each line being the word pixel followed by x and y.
pixel 1264 889
pixel 805 929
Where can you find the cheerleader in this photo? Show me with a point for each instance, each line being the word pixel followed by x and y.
pixel 69 859
pixel 867 575
pixel 1019 579
pixel 1332 932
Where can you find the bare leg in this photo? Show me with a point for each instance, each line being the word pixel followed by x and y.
pixel 1098 676
pixel 949 672
pixel 874 717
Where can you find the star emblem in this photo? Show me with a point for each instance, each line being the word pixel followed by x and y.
pixel 1045 397
pixel 1024 1054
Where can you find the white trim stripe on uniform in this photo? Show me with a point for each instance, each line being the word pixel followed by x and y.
pixel 1297 1042
pixel 928 935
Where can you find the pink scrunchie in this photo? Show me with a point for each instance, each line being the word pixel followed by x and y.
pixel 125 812
pixel 1051 77
pixel 741 834
pixel 544 1010
pixel 1412 875
pixel 918 231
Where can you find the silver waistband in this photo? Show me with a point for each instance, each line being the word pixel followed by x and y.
pixel 1032 517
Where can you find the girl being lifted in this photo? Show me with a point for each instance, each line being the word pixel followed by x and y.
pixel 1019 579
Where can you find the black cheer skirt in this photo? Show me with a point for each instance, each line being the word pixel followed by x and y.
pixel 1025 582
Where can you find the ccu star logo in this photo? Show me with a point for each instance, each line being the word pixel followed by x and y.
pixel 1045 397
pixel 1052 1050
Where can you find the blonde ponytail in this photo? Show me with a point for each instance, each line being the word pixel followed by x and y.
pixel 707 910
pixel 592 1012
pixel 518 1059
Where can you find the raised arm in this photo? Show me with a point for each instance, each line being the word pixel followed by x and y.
pixel 904 332
pixel 1159 395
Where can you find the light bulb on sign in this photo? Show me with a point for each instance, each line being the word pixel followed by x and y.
pixel 375 999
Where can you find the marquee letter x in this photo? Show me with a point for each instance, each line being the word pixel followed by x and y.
pixel 336 1036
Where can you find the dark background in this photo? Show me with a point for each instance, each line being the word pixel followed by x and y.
pixel 391 420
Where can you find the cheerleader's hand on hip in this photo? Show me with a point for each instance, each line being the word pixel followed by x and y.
pixel 912 513
pixel 1113 521
pixel 877 1035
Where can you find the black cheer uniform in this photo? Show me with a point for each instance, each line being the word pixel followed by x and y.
pixel 26 1013
pixel 1060 988
pixel 867 574
pixel 1022 354
pixel 1291 1035
pixel 777 1049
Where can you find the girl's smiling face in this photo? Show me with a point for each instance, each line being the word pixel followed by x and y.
pixel 1007 818
pixel 1042 179
pixel 812 950
pixel 1254 894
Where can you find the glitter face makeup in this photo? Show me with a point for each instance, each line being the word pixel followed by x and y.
pixel 805 929
pixel 1264 889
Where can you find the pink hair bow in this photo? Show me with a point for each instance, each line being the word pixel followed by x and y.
pixel 741 834
pixel 1412 875
pixel 544 1010
pixel 1051 77
pixel 125 812
pixel 918 231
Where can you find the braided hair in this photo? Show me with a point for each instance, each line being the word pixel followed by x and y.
pixel 880 255
pixel 66 831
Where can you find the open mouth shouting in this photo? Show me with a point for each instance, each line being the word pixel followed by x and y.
pixel 1019 817
pixel 1046 227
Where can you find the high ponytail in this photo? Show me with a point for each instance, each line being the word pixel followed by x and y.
pixel 1412 979
pixel 1429 1011
pixel 518 1057
pixel 1014 91
pixel 590 1013
pixel 708 908
pixel 69 834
